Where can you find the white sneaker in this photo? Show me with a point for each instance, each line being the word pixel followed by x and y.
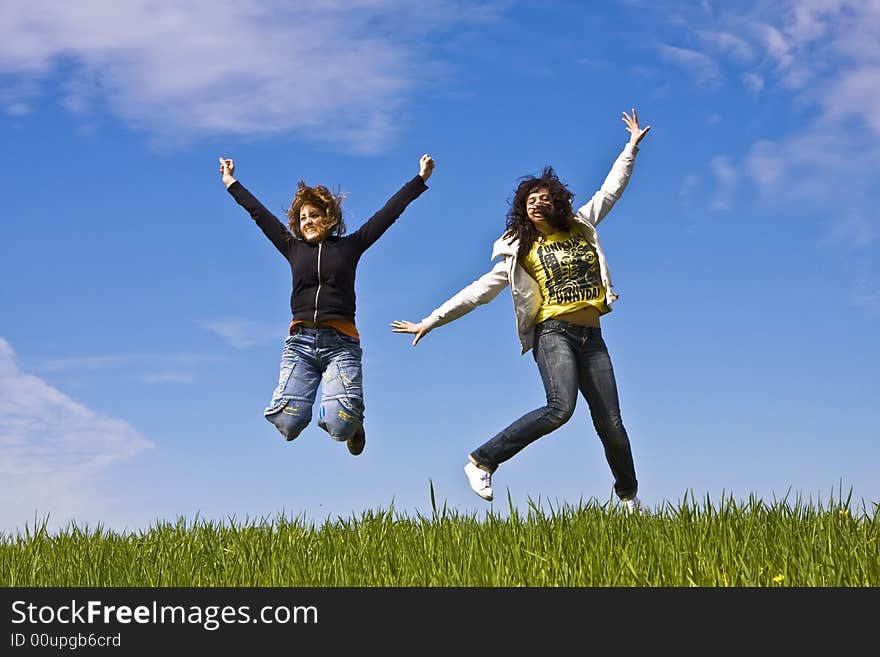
pixel 480 480
pixel 634 506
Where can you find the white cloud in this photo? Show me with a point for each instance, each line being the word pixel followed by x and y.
pixel 854 229
pixel 336 71
pixel 52 448
pixel 150 368
pixel 822 162
pixel 18 109
pixel 776 45
pixel 826 51
pixel 726 42
pixel 243 333
pixel 805 22
pixel 865 296
pixel 701 66
pixel 725 177
pixel 824 57
pixel 766 164
pixel 822 171
pixel 856 94
pixel 753 82
pixel 689 184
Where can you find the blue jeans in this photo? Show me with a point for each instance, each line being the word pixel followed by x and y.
pixel 312 356
pixel 569 358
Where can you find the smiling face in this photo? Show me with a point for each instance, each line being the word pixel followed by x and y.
pixel 311 224
pixel 539 207
pixel 315 213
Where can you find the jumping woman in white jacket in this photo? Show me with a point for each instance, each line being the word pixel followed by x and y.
pixel 559 279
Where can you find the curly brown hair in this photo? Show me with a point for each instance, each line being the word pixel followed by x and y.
pixel 321 198
pixel 520 227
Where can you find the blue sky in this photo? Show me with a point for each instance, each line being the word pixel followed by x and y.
pixel 143 313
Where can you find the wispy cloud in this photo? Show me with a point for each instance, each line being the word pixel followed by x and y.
pixel 825 51
pixel 52 448
pixel 822 163
pixel 689 184
pixel 146 367
pixel 752 82
pixel 725 42
pixel 335 71
pixel 863 295
pixel 18 109
pixel 242 333
pixel 856 95
pixel 854 229
pixel 824 55
pixel 725 178
pixel 703 67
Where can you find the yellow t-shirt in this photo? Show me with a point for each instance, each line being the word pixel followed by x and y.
pixel 566 267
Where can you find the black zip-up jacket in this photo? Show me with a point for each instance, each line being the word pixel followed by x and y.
pixel 323 273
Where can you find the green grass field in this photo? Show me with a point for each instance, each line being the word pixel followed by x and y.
pixel 693 543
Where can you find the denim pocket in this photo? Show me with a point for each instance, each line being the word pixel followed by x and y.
pixel 354 404
pixel 279 404
pixel 343 380
pixel 542 331
pixel 348 339
pixel 287 367
pixel 547 327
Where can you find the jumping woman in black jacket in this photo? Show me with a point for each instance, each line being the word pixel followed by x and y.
pixel 323 342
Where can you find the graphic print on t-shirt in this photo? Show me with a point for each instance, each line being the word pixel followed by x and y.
pixel 571 270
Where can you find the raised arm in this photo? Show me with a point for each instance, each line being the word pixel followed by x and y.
pixel 268 222
pixel 594 210
pixel 376 225
pixel 480 292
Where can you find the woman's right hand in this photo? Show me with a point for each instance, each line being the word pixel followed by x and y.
pixel 426 167
pixel 227 168
pixel 419 330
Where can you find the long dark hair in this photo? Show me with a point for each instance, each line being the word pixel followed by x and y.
pixel 520 227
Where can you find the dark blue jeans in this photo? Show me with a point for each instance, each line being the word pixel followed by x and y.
pixel 570 358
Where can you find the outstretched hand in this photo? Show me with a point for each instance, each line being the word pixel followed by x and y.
pixel 419 330
pixel 632 125
pixel 426 167
pixel 227 168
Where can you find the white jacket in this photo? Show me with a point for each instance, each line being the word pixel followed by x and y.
pixel 524 289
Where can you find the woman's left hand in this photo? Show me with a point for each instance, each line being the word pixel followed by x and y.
pixel 632 124
pixel 426 167
pixel 402 326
